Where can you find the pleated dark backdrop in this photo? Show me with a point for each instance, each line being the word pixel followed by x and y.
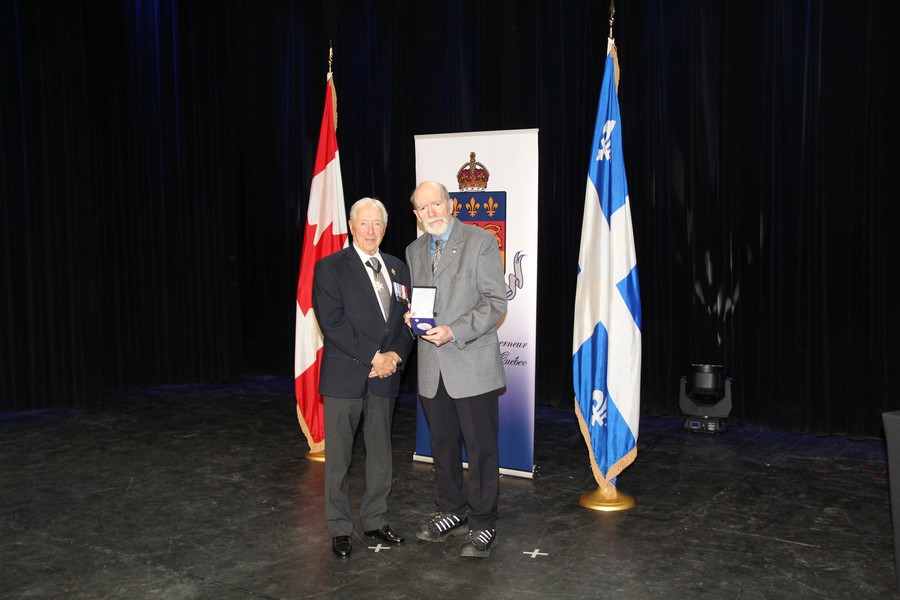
pixel 157 156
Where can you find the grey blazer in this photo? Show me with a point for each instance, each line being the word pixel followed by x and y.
pixel 471 299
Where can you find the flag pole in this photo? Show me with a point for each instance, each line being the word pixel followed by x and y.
pixel 319 455
pixel 599 499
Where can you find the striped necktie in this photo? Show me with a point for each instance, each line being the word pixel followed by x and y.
pixel 437 254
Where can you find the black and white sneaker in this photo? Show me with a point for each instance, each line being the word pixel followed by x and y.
pixel 478 543
pixel 441 526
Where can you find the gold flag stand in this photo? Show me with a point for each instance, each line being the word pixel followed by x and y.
pixel 316 456
pixel 596 501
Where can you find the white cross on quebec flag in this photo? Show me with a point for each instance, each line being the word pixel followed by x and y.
pixel 606 344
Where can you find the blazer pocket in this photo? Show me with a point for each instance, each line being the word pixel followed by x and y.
pixel 489 338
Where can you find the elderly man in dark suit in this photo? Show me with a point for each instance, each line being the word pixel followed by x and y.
pixel 460 371
pixel 357 296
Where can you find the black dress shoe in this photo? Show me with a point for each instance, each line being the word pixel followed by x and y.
pixel 340 545
pixel 385 534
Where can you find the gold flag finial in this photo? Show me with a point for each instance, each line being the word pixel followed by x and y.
pixel 612 42
pixel 612 14
pixel 331 83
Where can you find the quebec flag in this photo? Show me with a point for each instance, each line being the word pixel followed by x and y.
pixel 606 344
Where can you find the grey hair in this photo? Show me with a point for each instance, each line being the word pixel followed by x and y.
pixel 368 202
pixel 444 193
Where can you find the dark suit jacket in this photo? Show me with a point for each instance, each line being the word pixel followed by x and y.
pixel 350 317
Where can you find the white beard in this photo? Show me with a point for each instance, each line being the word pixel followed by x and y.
pixel 437 227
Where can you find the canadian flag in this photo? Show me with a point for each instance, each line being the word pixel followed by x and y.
pixel 326 233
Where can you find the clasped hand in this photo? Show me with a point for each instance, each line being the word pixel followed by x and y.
pixel 384 365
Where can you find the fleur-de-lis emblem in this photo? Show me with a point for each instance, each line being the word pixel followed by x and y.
pixel 456 207
pixel 490 206
pixel 604 152
pixel 598 409
pixel 472 207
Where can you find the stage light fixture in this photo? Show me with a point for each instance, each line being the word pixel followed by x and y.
pixel 705 398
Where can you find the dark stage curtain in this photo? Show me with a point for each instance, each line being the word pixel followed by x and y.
pixel 157 156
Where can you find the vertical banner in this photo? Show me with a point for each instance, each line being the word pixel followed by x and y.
pixel 492 178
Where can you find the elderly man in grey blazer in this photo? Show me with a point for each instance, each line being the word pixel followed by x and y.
pixel 460 372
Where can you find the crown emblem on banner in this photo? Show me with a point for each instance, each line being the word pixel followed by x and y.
pixel 472 175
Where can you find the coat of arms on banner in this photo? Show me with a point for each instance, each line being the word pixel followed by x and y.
pixel 473 205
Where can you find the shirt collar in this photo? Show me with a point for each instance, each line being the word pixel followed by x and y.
pixel 365 257
pixel 446 235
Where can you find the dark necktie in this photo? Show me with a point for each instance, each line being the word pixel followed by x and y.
pixel 437 254
pixel 384 296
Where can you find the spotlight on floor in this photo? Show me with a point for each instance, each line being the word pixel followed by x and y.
pixel 705 398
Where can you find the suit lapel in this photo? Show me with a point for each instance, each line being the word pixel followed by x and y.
pixel 420 255
pixel 453 249
pixel 391 267
pixel 358 270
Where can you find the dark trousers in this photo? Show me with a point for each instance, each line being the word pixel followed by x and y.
pixel 474 420
pixel 342 416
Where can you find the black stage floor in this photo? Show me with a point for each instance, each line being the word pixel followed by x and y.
pixel 204 492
